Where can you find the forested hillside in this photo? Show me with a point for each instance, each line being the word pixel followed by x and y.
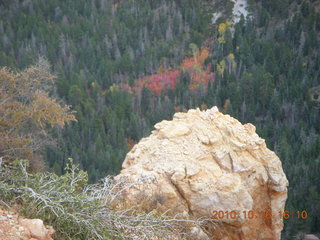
pixel 94 46
pixel 125 65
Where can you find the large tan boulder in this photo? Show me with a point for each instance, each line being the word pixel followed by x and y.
pixel 205 161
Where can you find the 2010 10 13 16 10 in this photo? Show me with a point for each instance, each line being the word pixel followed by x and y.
pixel 254 214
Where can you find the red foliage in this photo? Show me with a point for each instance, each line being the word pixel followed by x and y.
pixel 158 82
pixel 164 80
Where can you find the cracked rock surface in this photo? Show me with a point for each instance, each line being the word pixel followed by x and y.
pixel 205 161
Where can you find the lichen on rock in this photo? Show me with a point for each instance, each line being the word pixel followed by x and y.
pixel 205 161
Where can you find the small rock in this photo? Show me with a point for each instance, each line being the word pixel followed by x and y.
pixel 14 227
pixel 36 227
pixel 310 237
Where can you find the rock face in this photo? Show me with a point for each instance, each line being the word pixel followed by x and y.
pixel 205 161
pixel 14 227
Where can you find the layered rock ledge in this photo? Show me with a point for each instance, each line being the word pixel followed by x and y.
pixel 205 161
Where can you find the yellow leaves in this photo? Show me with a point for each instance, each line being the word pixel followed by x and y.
pixel 227 62
pixel 161 69
pixel 231 56
pixel 232 65
pixel 113 88
pixel 221 40
pixel 221 66
pixel 222 28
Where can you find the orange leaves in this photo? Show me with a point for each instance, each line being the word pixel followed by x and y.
pixel 47 110
pixel 197 60
pixel 187 63
pixel 26 110
pixel 204 54
pixel 195 67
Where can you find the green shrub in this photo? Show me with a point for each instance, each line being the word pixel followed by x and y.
pixel 80 211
